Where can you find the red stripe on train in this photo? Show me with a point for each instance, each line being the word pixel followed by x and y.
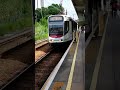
pixel 56 36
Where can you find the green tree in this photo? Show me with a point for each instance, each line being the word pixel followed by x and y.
pixel 38 14
pixel 55 9
pixel 41 26
pixel 45 12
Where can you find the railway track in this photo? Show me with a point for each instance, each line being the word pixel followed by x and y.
pixel 14 57
pixel 42 50
pixel 16 53
pixel 25 80
pixel 40 43
pixel 44 68
pixel 16 39
pixel 17 60
pixel 24 65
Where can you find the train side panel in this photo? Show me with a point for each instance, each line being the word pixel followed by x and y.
pixel 69 35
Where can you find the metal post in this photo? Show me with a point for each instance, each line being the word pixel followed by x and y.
pixel 102 5
pixel 42 5
pixel 37 3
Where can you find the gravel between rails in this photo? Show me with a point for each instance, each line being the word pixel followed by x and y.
pixel 8 69
pixel 39 52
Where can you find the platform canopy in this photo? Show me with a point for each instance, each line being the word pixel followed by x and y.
pixel 80 8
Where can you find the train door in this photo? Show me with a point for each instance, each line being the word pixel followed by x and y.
pixel 73 31
pixel 66 30
pixel 70 30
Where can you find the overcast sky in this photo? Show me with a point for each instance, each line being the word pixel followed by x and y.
pixel 67 4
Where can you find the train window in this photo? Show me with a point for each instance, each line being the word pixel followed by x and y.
pixel 56 29
pixel 74 26
pixel 66 27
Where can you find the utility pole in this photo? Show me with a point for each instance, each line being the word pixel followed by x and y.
pixel 36 16
pixel 66 11
pixel 42 5
pixel 61 2
pixel 61 12
pixel 37 3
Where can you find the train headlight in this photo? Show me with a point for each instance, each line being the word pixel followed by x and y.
pixel 61 40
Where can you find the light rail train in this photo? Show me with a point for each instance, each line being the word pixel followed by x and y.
pixel 61 28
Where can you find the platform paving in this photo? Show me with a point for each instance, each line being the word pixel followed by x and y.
pixel 109 72
pixel 61 80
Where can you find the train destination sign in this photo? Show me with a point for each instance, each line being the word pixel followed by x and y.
pixel 57 18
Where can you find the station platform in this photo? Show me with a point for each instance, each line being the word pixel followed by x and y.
pixel 106 74
pixel 71 73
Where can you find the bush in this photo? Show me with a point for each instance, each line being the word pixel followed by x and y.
pixel 41 31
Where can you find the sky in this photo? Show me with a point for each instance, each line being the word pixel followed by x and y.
pixel 67 4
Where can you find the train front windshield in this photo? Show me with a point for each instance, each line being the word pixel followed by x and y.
pixel 56 29
pixel 56 25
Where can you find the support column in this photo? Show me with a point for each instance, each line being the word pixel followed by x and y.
pixel 102 5
pixel 102 18
pixel 42 3
pixel 101 23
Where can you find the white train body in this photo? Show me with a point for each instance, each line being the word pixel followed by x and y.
pixel 61 28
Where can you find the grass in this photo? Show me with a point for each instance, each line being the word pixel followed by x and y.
pixel 41 31
pixel 11 27
pixel 14 16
